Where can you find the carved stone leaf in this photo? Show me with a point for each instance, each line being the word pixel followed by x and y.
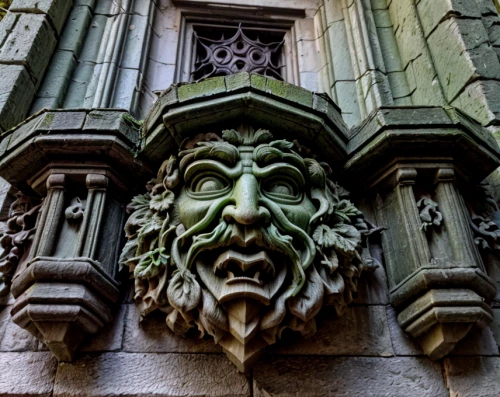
pixel 317 173
pixel 280 144
pixel 333 282
pixel 262 135
pixel 344 238
pixel 307 303
pixel 345 209
pixel 150 263
pixel 137 220
pixel 267 154
pixel 220 150
pixel 232 136
pixel 184 292
pixel 139 202
pixel 162 202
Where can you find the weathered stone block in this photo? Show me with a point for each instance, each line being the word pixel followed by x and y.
pixel 31 44
pixel 495 326
pixel 206 87
pixel 56 10
pixel 16 93
pixel 402 343
pixel 461 52
pixel 473 376
pixel 27 374
pixel 111 336
pixel 100 120
pixel 152 335
pixel 57 78
pixel 12 337
pixel 74 33
pixel 433 12
pixel 481 100
pixel 360 331
pixel 346 376
pixel 167 375
pixel 478 342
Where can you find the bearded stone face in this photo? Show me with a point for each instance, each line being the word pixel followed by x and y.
pixel 242 237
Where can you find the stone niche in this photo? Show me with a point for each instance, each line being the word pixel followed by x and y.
pixel 246 228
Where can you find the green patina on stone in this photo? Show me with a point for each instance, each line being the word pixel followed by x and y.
pixel 203 88
pixel 290 92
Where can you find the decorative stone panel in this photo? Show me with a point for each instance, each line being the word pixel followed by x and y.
pixel 65 283
pixel 415 161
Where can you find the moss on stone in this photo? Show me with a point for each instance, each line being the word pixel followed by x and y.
pixel 5 4
pixel 206 87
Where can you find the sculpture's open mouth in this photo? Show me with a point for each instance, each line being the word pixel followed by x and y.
pixel 239 267
pixel 248 272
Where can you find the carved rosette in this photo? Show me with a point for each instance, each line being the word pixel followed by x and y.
pixel 240 237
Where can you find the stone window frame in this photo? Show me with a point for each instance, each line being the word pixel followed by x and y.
pixel 275 20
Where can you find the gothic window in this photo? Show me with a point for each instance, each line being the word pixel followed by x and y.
pixel 227 50
pixel 219 48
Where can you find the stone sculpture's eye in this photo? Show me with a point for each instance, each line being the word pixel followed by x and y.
pixel 281 188
pixel 208 184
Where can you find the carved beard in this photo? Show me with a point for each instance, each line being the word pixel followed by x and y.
pixel 248 275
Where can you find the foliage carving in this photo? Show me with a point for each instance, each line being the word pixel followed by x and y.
pixel 240 238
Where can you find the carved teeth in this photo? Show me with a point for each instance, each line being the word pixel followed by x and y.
pixel 245 261
pixel 230 275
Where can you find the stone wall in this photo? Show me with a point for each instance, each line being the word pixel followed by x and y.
pixel 365 54
pixel 364 352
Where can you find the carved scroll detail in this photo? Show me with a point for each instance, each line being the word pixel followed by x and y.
pixel 429 213
pixel 17 236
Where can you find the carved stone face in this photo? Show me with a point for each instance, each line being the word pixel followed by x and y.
pixel 245 194
pixel 242 237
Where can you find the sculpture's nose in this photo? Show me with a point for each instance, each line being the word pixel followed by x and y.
pixel 246 210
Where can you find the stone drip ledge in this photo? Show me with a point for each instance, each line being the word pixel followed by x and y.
pixel 87 134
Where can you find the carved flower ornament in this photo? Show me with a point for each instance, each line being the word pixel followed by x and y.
pixel 240 237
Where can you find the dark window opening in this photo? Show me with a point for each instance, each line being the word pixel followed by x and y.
pixel 223 50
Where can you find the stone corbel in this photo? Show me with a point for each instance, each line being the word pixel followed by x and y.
pixel 438 299
pixel 63 298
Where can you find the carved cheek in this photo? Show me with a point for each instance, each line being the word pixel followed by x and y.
pixel 299 214
pixel 190 210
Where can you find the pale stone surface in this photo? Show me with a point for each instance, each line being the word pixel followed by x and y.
pixel 16 93
pixel 141 375
pixel 473 376
pixel 461 52
pixel 478 342
pixel 56 10
pixel 152 335
pixel 415 57
pixel 30 43
pixel 27 374
pixel 348 376
pixel 12 337
pixel 432 12
pixel 111 336
pixel 75 30
pixel 402 343
pixel 360 331
pixel 481 100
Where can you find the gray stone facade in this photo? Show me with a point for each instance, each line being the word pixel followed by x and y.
pixel 399 96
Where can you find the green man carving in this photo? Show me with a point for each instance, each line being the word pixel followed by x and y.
pixel 241 237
